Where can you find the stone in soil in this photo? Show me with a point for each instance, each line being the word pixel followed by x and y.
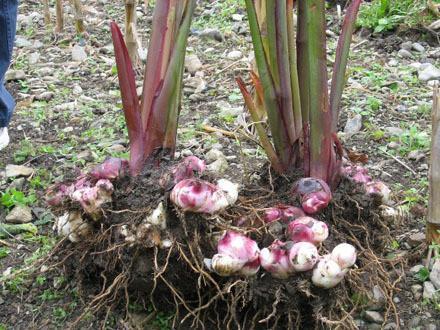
pixel 403 53
pixel 417 291
pixel 235 55
pixel 428 72
pixel 434 275
pixel 373 316
pixel 18 170
pixel 212 34
pixel 416 239
pixel 353 125
pixel 192 63
pixel 429 290
pixel 15 75
pixel 407 45
pixel 78 54
pixel 418 47
pixel 19 214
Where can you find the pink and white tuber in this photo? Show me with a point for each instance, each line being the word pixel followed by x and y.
pixel 91 191
pixel 282 212
pixel 314 194
pixel 187 168
pixel 200 196
pixel 307 229
pixel 236 255
pixel 332 268
pixel 275 260
pixel 303 256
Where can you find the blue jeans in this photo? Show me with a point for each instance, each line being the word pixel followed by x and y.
pixel 8 21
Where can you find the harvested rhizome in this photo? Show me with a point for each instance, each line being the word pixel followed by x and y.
pixel 152 231
pixel 163 267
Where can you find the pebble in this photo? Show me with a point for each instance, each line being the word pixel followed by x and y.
pixel 19 214
pixel 77 90
pixel 433 83
pixel 17 184
pixel 417 291
pixel 418 47
pixel 434 275
pixel 21 42
pixel 87 155
pixel 237 17
pixel 192 63
pixel 218 167
pixel 212 34
pixel 353 125
pixel 234 55
pixel 116 148
pixel 390 326
pixel 45 96
pixel 428 72
pixel 394 131
pixel 18 170
pixel 393 62
pixel 403 53
pixel 416 155
pixel 407 45
pixel 414 322
pixel 227 110
pixel 15 75
pixel 431 326
pixel 416 239
pixel 214 154
pixel 428 290
pixel 194 85
pixel 78 54
pixel 34 57
pixel 373 316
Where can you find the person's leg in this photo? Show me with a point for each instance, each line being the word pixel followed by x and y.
pixel 8 21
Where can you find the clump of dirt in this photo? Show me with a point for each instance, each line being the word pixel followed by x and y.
pixel 173 276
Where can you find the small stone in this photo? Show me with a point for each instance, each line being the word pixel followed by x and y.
pixel 418 47
pixel 396 300
pixel 195 85
pixel 212 34
pixel 17 184
pixel 21 42
pixel 401 108
pixel 434 275
pixel 218 167
pixel 403 53
pixel 429 72
pixel 393 145
pixel 416 239
pixel 431 326
pixel 373 316
pixel 407 45
pixel 429 290
pixel 86 155
pixel 234 55
pixel 78 54
pixel 374 326
pixel 15 75
pixel 393 62
pixel 68 129
pixel 116 148
pixel 237 17
pixel 417 291
pixel 390 326
pixel 192 63
pixel 18 170
pixel 19 214
pixel 213 154
pixel 416 155
pixel 34 57
pixel 414 322
pixel 353 125
pixel 227 110
pixel 394 131
pixel 330 34
pixel 77 90
pixel 45 96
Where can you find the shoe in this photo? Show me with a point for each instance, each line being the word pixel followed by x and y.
pixel 4 137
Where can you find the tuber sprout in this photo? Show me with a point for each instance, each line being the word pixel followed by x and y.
pixel 307 229
pixel 282 212
pixel 344 254
pixel 327 273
